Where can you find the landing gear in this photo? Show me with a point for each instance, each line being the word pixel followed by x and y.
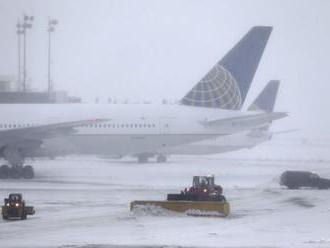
pixel 15 157
pixel 161 159
pixel 142 159
pixel 16 172
pixel 4 171
pixel 28 172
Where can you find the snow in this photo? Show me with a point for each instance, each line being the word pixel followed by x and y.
pixel 84 201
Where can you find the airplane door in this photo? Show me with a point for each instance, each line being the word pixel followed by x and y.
pixel 166 125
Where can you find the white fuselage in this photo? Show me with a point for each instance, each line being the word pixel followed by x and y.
pixel 220 144
pixel 129 129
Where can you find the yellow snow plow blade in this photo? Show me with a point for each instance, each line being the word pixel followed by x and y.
pixel 198 208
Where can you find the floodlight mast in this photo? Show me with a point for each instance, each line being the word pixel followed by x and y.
pixel 27 24
pixel 51 28
pixel 19 32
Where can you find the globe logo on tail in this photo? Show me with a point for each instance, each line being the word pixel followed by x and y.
pixel 218 89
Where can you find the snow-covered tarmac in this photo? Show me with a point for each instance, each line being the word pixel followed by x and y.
pixel 84 201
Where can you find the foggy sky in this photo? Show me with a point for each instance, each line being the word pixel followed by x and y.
pixel 160 49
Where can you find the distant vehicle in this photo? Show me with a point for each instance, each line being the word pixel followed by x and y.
pixel 297 179
pixel 15 208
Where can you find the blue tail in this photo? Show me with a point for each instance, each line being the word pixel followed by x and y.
pixel 267 98
pixel 228 82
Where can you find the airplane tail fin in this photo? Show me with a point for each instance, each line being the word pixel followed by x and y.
pixel 267 98
pixel 227 83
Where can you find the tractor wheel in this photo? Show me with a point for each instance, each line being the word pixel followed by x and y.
pixel 4 172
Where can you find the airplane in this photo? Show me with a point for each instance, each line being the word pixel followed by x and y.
pixel 247 139
pixel 217 89
pixel 137 129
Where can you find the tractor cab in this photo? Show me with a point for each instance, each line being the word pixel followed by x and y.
pixel 14 200
pixel 203 182
pixel 205 185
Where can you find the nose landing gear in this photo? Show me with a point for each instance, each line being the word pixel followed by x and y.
pixel 161 159
pixel 16 172
pixel 17 169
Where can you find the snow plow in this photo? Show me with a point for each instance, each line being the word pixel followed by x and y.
pixel 15 208
pixel 203 198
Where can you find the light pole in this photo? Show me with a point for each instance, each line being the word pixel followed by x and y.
pixel 19 31
pixel 51 28
pixel 27 24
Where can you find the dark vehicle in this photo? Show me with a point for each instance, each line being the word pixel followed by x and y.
pixel 297 179
pixel 15 207
pixel 203 189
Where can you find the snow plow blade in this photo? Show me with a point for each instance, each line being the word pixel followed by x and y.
pixel 195 208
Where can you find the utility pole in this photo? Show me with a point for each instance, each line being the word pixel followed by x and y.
pixel 51 28
pixel 27 24
pixel 19 31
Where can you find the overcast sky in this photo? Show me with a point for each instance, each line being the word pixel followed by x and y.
pixel 160 49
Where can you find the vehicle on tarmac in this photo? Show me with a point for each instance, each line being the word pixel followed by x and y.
pixel 15 207
pixel 297 179
pixel 203 198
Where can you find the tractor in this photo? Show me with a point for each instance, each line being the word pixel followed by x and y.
pixel 15 207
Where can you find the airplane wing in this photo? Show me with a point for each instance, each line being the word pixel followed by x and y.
pixel 43 131
pixel 286 131
pixel 245 122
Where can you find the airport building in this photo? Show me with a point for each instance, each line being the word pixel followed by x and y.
pixel 10 93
